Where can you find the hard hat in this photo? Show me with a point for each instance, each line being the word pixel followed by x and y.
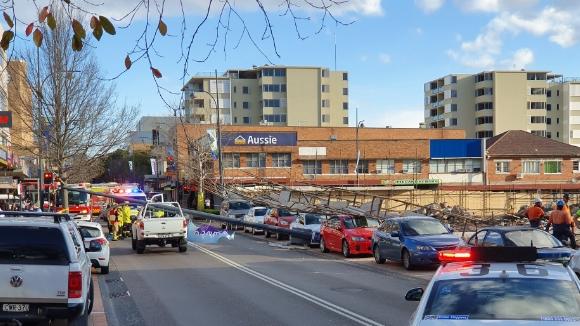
pixel 537 200
pixel 560 202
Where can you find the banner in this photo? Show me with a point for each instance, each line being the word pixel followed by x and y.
pixel 153 166
pixel 258 139
pixel 206 234
pixel 213 144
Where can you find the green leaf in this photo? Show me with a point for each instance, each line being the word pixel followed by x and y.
pixel 78 29
pixel 98 31
pixel 107 25
pixel 51 21
pixel 162 28
pixel 7 36
pixel 77 43
pixel 37 37
pixel 8 20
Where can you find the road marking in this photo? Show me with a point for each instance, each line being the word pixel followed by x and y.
pixel 362 320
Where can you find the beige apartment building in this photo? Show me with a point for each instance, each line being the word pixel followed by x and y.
pixel 269 95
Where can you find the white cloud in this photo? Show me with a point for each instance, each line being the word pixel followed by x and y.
pixel 495 5
pixel 520 59
pixel 429 6
pixel 384 58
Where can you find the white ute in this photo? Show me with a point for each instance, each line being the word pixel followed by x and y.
pixel 160 223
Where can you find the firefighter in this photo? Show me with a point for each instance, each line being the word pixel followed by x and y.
pixel 113 225
pixel 123 217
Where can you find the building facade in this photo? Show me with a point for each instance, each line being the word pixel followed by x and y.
pixel 270 95
pixel 150 131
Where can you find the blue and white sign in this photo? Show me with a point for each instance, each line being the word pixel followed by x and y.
pixel 259 139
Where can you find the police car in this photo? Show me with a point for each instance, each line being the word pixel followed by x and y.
pixel 499 286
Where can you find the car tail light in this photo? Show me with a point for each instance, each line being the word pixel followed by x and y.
pixel 101 241
pixel 454 255
pixel 75 285
pixel 141 225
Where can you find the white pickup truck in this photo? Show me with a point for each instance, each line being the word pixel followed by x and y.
pixel 160 223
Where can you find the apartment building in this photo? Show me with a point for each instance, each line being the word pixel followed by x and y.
pixel 491 102
pixel 563 110
pixel 269 95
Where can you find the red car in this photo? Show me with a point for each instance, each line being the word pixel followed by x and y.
pixel 347 234
pixel 279 217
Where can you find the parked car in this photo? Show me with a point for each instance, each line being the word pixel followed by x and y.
pixel 45 270
pixel 279 217
pixel 234 208
pixel 309 224
pixel 350 235
pixel 255 215
pixel 413 240
pixel 92 231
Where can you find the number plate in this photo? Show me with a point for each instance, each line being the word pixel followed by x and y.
pixel 16 307
pixel 165 235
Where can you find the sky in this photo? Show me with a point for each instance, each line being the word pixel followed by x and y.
pixel 390 50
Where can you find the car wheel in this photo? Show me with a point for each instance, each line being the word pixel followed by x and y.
pixel 279 236
pixel 105 269
pixel 345 249
pixel 246 230
pixel 377 255
pixel 267 234
pixel 406 258
pixel 323 245
pixel 140 246
pixel 182 245
pixel 291 239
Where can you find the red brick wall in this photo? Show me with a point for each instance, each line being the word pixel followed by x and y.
pixel 516 167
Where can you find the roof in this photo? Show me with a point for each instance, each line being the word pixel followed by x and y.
pixel 518 143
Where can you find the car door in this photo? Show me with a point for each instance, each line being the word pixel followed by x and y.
pixel 330 232
pixel 477 239
pixel 381 235
pixel 393 243
pixel 493 239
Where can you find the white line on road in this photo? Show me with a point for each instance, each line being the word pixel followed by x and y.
pixel 312 298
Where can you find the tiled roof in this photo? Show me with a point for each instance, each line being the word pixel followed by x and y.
pixel 518 143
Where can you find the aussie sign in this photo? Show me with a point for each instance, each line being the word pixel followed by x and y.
pixel 258 139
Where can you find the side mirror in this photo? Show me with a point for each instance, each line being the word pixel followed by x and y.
pixel 94 246
pixel 395 234
pixel 414 294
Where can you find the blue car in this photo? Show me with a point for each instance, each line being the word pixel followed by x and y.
pixel 413 240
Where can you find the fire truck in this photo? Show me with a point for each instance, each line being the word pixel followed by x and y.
pixel 99 203
pixel 79 203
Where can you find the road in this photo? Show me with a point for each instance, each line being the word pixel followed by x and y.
pixel 250 281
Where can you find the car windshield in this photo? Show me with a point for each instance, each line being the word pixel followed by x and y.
pixel 373 222
pixel 312 219
pixel 355 222
pixel 260 211
pixel 423 227
pixel 506 298
pixel 284 212
pixel 239 205
pixel 89 232
pixel 32 245
pixel 535 238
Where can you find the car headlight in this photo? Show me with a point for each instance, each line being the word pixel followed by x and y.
pixel 357 239
pixel 84 211
pixel 425 248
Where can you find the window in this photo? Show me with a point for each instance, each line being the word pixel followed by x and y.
pixel 557 92
pixel 557 121
pixel 325 88
pixel 453 122
pixel 557 134
pixel 484 106
pixel 531 167
pixel 363 166
pixel 235 89
pixel 344 76
pixel 411 166
pixel 536 76
pixel 275 117
pixel 386 166
pixel 541 133
pixel 483 120
pixel 235 119
pixel 536 105
pixel 246 90
pixel 548 121
pixel 268 72
pixel 326 118
pixel 548 93
pixel 453 79
pixel 454 166
pixel 557 107
pixel 325 103
pixel 552 167
pixel 537 91
pixel 453 107
pixel 483 91
pixel 345 91
pixel 483 76
pixel 247 120
pixel 493 239
pixel 502 167
pixel 325 73
pixel 548 134
pixel 548 107
pixel 453 93
pixel 256 160
pixel 281 160
pixel 537 119
pixel 246 105
pixel 312 167
pixel 231 160
pixel 235 104
pixel 275 103
pixel 345 120
pixel 283 88
pixel 272 88
pixel 338 166
pixel 280 72
pixel 345 105
pixel 576 166
pixel 484 134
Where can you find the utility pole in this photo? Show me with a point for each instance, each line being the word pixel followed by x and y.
pixel 219 133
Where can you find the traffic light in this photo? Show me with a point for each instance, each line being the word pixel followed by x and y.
pixel 48 178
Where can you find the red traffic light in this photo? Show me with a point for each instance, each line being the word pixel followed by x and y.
pixel 48 177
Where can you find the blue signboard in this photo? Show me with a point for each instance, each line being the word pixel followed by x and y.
pixel 455 148
pixel 258 139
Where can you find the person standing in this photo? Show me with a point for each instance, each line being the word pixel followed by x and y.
pixel 563 224
pixel 535 213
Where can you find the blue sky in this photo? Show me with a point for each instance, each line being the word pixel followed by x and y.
pixel 389 52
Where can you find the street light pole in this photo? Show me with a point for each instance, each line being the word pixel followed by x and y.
pixel 219 133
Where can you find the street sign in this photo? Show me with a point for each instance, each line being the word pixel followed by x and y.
pixel 5 119
pixel 258 139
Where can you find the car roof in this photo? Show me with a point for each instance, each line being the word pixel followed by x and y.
pixel 503 229
pixel 45 221
pixel 457 270
pixel 89 224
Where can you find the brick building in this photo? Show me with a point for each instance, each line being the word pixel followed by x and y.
pixel 325 156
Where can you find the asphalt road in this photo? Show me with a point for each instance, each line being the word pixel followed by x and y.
pixel 250 281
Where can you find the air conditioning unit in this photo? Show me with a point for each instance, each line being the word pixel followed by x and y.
pixel 520 176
